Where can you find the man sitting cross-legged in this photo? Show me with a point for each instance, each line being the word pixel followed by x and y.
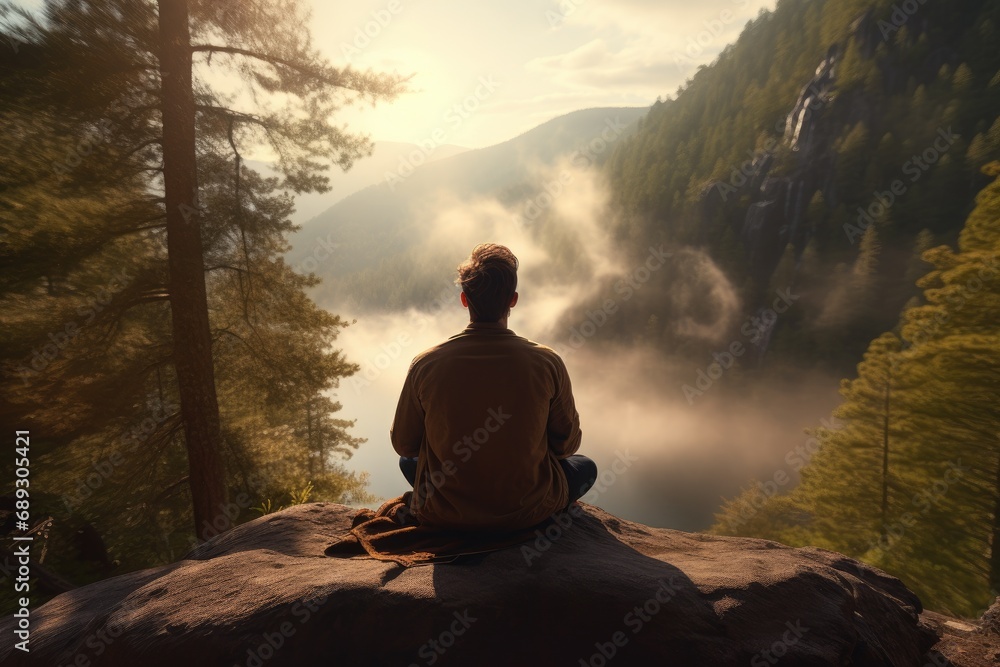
pixel 486 426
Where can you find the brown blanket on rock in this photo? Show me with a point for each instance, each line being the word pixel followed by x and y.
pixel 392 533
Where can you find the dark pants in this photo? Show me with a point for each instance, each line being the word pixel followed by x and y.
pixel 581 473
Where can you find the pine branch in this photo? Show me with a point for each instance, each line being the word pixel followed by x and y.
pixel 228 267
pixel 157 141
pixel 238 115
pixel 274 60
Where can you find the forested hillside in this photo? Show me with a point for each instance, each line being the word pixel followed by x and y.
pixel 824 151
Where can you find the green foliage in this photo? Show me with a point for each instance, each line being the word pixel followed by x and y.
pixel 300 497
pixel 86 358
pixel 911 482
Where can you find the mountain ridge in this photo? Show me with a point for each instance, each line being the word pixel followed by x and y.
pixel 371 227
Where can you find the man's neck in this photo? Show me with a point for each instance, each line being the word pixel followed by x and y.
pixel 501 324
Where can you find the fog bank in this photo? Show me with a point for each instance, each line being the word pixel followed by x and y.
pixel 665 460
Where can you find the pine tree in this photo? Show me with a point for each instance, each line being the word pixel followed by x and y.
pixel 853 160
pixel 192 342
pixel 229 288
pixel 917 462
pixel 955 359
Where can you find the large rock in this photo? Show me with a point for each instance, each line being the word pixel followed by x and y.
pixel 991 618
pixel 595 587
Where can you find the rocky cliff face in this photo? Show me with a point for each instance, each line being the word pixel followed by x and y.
pixel 588 590
pixel 768 210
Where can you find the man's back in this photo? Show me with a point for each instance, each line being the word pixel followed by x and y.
pixel 489 414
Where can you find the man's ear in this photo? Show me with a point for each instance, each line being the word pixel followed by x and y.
pixel 513 300
pixel 465 300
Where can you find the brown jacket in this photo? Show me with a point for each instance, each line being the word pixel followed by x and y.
pixel 489 414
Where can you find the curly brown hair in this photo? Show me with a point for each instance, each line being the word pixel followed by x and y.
pixel 489 280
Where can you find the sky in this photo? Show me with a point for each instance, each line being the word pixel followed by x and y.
pixel 542 58
pixel 512 66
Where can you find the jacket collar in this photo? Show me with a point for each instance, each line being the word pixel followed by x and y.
pixel 487 327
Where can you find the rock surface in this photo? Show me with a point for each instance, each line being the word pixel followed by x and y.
pixel 991 619
pixel 596 590
pixel 961 644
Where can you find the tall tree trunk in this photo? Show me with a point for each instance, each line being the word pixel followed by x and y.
pixel 995 538
pixel 885 452
pixel 192 341
pixel 309 434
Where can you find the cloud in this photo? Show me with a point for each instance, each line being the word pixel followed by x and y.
pixel 668 21
pixel 560 260
pixel 707 301
pixel 597 67
pixel 644 47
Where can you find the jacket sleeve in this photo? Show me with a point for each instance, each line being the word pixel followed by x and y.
pixel 564 422
pixel 407 430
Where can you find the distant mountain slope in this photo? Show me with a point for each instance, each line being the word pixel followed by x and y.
pixel 365 172
pixel 376 226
